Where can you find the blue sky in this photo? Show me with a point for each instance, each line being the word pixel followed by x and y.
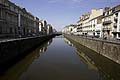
pixel 60 13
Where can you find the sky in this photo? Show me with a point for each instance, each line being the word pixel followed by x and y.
pixel 60 13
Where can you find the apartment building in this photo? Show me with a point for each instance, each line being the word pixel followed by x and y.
pixel 101 22
pixel 15 20
pixel 85 24
pixel 36 25
pixel 116 23
pixel 95 22
pixel 69 29
pixel 111 22
pixel 25 23
pixel 49 29
pixel 8 19
pixel 91 23
pixel 107 21
pixel 79 27
pixel 44 27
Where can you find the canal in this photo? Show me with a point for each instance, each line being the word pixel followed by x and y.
pixel 63 59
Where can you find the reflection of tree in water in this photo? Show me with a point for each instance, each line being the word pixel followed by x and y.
pixel 107 69
pixel 15 72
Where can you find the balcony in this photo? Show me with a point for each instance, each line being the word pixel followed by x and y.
pixel 106 29
pixel 107 22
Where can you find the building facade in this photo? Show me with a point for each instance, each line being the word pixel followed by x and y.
pixel 104 23
pixel 36 25
pixel 116 24
pixel 91 23
pixel 16 21
pixel 107 23
pixel 69 29
pixel 8 19
pixel 49 29
pixel 43 24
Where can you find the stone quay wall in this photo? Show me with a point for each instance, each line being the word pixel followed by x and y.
pixel 109 49
pixel 13 50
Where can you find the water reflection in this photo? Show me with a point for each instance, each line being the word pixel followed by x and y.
pixel 68 42
pixel 60 62
pixel 18 69
pixel 44 48
pixel 107 69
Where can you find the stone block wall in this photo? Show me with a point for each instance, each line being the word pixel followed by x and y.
pixel 106 48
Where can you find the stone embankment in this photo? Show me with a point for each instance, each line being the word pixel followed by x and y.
pixel 14 49
pixel 109 49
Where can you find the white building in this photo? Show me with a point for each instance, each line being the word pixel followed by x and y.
pixel 95 22
pixel 111 22
pixel 49 29
pixel 43 25
pixel 116 23
pixel 69 29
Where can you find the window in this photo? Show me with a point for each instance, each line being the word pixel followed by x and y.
pixel 0 12
pixel 119 35
pixel 11 30
pixel 99 21
pixel 116 14
pixel 119 27
pixel 0 28
pixel 11 8
pixel 15 30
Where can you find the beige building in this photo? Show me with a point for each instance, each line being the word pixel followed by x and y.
pixel 91 23
pixel 103 23
pixel 107 23
pixel 95 22
pixel 79 27
pixel 116 24
pixel 85 24
pixel 111 22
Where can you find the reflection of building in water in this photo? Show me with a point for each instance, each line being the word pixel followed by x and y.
pixel 19 68
pixel 107 69
pixel 50 41
pixel 44 48
pixel 87 60
pixel 68 42
pixel 15 71
pixel 92 65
